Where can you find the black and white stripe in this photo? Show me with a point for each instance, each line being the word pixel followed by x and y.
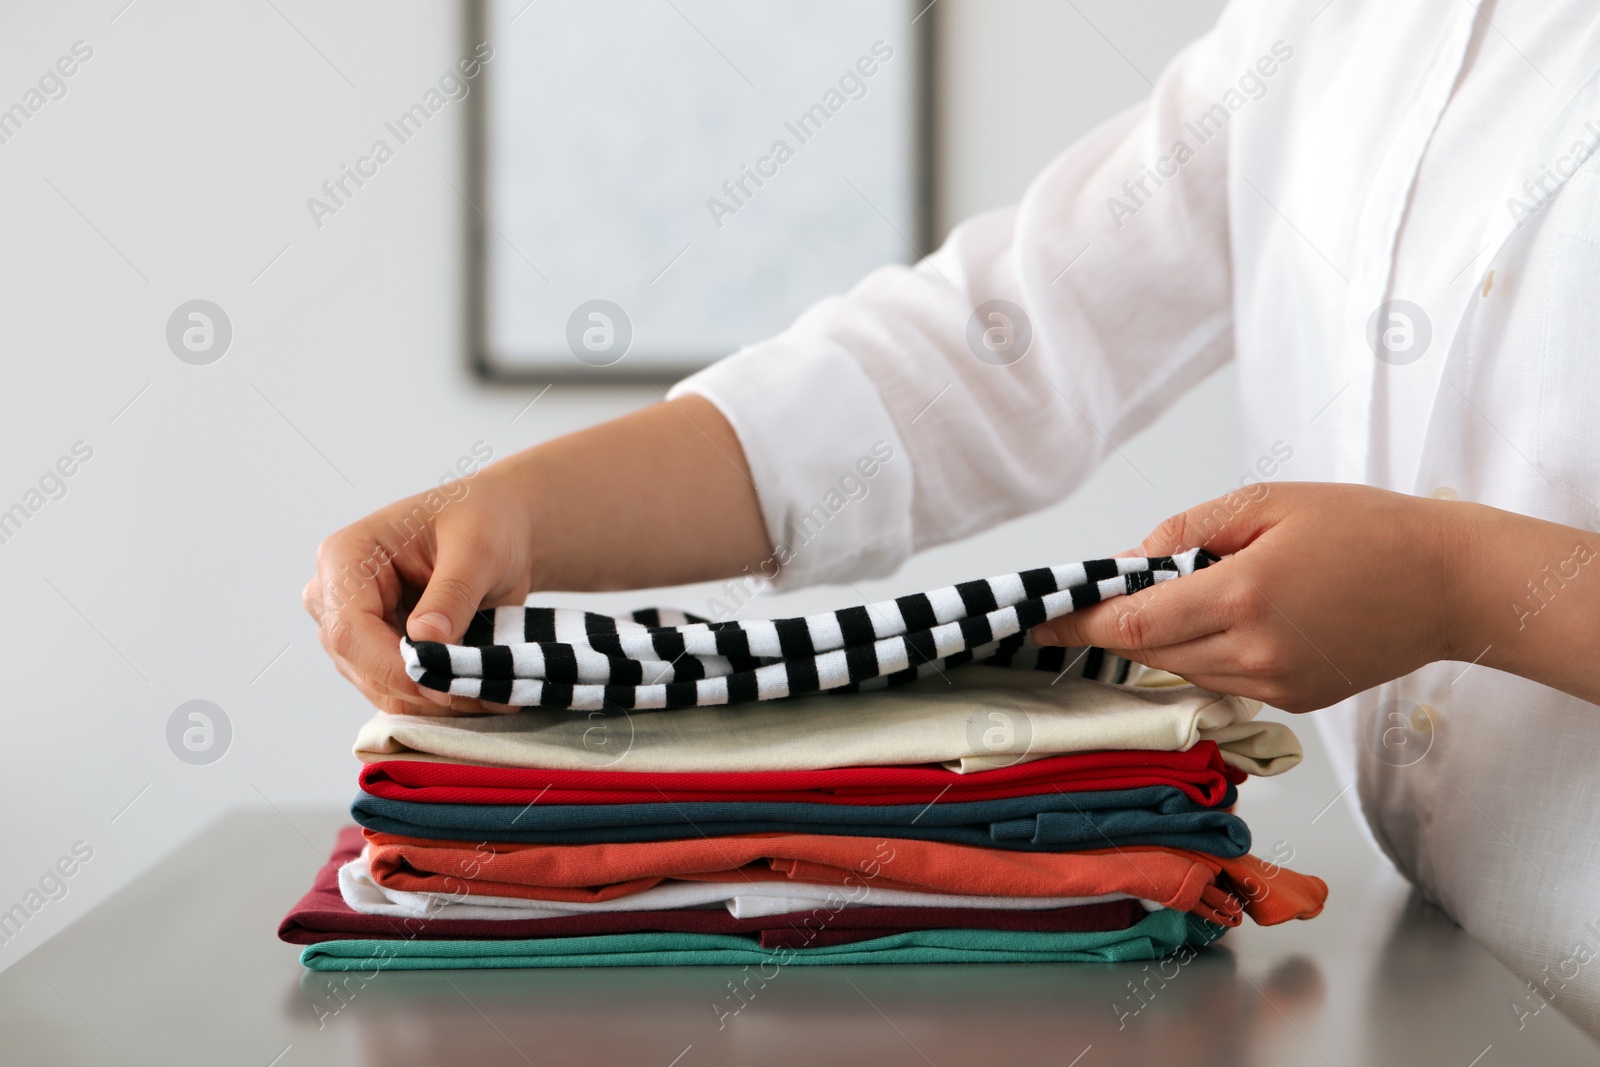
pixel 659 658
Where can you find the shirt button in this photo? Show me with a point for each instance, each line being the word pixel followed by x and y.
pixel 1488 283
pixel 1423 716
pixel 1444 492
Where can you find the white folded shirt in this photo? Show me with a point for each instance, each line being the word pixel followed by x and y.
pixel 975 718
pixel 743 900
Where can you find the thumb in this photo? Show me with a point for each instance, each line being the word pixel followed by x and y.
pixel 458 585
pixel 1222 526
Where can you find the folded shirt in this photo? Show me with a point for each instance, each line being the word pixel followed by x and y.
pixel 1199 772
pixel 977 719
pixel 1158 934
pixel 1154 815
pixel 564 658
pixel 743 899
pixel 309 924
pixel 322 915
pixel 1220 889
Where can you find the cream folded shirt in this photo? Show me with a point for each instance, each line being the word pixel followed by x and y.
pixel 976 718
pixel 743 900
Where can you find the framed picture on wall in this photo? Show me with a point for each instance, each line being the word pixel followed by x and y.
pixel 656 183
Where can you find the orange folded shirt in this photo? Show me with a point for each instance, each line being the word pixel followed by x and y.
pixel 1212 887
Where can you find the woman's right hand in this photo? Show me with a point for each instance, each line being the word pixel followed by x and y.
pixel 421 566
pixel 662 496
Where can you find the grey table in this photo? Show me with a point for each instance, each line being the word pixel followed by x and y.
pixel 183 967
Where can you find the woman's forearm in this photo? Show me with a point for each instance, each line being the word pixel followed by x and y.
pixel 1529 598
pixel 661 496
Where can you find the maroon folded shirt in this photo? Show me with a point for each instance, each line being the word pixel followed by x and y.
pixel 1199 772
pixel 322 915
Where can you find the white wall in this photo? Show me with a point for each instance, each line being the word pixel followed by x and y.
pixel 177 167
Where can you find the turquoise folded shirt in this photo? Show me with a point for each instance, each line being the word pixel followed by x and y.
pixel 1040 822
pixel 1157 935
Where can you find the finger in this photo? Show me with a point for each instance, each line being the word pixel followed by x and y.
pixel 353 596
pixel 1167 613
pixel 350 605
pixel 389 696
pixel 1216 662
pixel 368 686
pixel 1222 526
pixel 311 598
pixel 352 570
pixel 458 705
pixel 398 704
pixel 1212 655
pixel 354 574
pixel 401 688
pixel 437 703
pixel 1247 687
pixel 384 701
pixel 456 589
pixel 372 649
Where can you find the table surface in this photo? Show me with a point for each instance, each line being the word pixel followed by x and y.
pixel 183 967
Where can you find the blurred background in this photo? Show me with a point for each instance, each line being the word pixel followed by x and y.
pixel 176 166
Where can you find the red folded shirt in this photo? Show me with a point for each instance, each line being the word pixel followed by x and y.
pixel 1199 772
pixel 322 915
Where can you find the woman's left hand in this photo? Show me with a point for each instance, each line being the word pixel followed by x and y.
pixel 1328 589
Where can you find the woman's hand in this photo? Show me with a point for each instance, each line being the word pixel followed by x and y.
pixel 662 496
pixel 1328 590
pixel 421 566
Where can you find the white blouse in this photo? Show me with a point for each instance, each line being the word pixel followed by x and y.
pixel 1294 172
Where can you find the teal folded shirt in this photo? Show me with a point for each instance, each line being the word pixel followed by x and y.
pixel 1157 935
pixel 1043 822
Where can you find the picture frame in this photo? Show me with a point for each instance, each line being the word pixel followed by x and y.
pixel 755 254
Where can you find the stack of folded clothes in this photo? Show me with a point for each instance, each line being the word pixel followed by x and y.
pixel 910 781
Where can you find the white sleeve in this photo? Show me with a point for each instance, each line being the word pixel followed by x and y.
pixel 1118 259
